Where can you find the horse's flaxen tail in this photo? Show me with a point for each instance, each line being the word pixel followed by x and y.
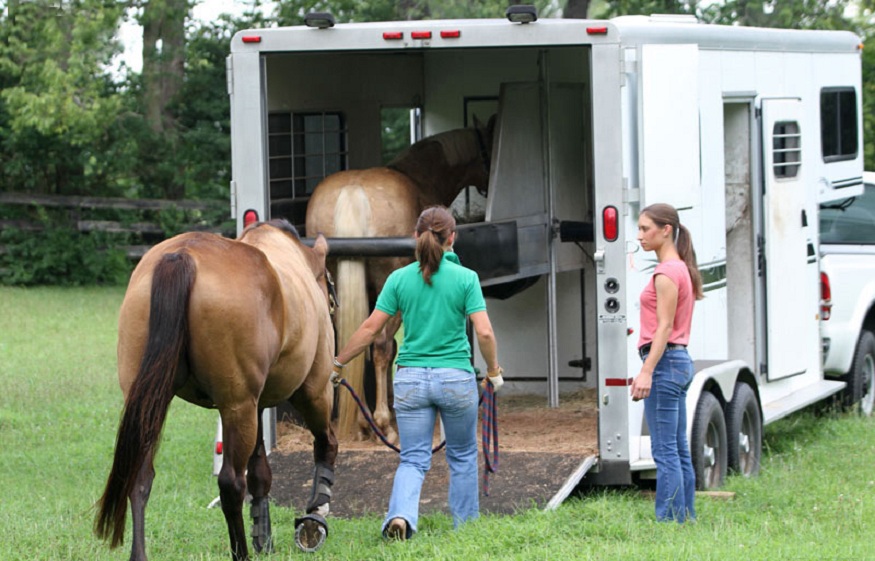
pixel 149 397
pixel 351 220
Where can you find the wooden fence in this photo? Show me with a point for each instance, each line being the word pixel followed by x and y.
pixel 80 207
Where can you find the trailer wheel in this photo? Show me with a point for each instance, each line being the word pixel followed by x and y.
pixel 860 380
pixel 708 446
pixel 744 431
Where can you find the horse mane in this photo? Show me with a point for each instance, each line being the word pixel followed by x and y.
pixel 456 146
pixel 278 223
pixel 285 226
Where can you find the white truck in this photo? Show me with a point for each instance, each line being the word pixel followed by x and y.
pixel 746 131
pixel 847 263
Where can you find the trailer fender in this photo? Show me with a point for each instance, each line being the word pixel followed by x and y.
pixel 718 377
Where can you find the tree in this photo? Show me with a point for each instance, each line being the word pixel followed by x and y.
pixel 58 105
pixel 163 24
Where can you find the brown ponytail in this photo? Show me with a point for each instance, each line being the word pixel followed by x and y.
pixel 662 215
pixel 434 227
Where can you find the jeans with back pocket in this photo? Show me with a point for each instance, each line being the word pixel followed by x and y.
pixel 420 395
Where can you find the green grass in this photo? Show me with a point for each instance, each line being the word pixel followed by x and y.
pixel 59 408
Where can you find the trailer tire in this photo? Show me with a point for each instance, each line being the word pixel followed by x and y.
pixel 744 431
pixel 860 390
pixel 708 446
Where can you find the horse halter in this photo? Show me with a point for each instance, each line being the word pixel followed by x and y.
pixel 485 156
pixel 333 302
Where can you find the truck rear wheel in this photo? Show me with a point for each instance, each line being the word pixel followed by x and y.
pixel 708 445
pixel 744 431
pixel 860 380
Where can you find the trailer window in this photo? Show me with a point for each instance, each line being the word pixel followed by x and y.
pixel 838 123
pixel 786 149
pixel 304 148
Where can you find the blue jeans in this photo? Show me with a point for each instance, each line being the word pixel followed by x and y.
pixel 420 395
pixel 666 413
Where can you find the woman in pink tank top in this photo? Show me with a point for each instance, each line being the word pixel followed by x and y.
pixel 667 371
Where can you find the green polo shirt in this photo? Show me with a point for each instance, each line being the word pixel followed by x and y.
pixel 435 315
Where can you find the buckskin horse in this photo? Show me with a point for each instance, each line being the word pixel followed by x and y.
pixel 385 202
pixel 235 325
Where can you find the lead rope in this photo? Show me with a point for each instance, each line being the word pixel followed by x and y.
pixel 488 429
pixel 489 432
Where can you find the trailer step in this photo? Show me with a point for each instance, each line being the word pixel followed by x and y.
pixel 795 401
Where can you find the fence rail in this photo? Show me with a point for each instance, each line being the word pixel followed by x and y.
pixel 84 225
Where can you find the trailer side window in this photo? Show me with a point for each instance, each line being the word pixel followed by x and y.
pixel 838 123
pixel 786 149
pixel 304 148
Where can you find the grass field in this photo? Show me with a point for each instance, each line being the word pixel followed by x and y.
pixel 59 408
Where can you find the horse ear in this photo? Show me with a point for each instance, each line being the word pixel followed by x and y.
pixel 490 126
pixel 320 246
pixel 477 124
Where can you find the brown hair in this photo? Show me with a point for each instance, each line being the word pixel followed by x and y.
pixel 434 227
pixel 662 215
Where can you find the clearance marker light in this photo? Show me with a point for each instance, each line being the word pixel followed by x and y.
pixel 610 224
pixel 421 34
pixel 252 38
pixel 451 34
pixel 392 35
pixel 596 30
pixel 250 217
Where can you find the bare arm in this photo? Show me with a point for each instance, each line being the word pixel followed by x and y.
pixel 485 339
pixel 666 307
pixel 363 336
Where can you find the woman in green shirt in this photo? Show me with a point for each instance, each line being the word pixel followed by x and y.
pixel 435 296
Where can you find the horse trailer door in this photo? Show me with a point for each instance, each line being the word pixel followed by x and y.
pixel 789 317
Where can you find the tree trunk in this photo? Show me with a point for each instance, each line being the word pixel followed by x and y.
pixel 163 59
pixel 576 9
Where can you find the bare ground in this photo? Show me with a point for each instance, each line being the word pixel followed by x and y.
pixel 539 447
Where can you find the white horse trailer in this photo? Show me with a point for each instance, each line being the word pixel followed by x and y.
pixel 746 131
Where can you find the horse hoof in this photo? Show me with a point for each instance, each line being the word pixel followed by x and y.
pixel 310 532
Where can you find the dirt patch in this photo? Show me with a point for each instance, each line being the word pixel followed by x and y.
pixel 539 448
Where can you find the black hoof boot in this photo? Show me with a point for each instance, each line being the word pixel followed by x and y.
pixel 262 540
pixel 311 531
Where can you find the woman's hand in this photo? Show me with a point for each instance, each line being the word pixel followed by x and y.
pixel 641 385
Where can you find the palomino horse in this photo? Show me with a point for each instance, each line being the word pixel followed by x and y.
pixel 235 325
pixel 385 202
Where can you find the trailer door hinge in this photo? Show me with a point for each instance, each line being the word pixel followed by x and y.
pixel 229 75
pixel 233 185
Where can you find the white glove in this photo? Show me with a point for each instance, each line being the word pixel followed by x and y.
pixel 495 377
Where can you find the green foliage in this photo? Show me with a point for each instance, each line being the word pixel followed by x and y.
pixel 293 12
pixel 60 255
pixel 869 102
pixel 58 105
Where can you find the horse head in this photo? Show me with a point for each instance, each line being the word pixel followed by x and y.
pixel 485 139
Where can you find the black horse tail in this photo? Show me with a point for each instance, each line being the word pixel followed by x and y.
pixel 149 398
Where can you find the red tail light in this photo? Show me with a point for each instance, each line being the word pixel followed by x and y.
pixel 825 297
pixel 610 224
pixel 250 217
pixel 218 448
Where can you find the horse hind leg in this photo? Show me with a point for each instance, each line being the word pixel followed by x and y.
pixel 239 430
pixel 384 352
pixel 139 498
pixel 258 480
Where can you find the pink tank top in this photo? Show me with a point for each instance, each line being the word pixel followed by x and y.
pixel 677 271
